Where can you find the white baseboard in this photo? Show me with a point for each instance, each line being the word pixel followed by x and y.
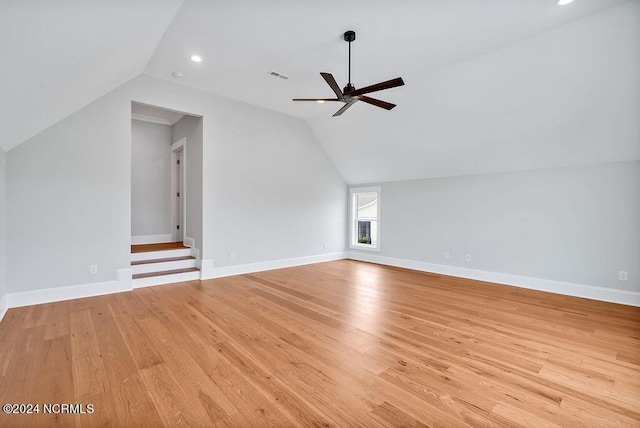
pixel 150 239
pixel 577 290
pixel 48 295
pixel 209 272
pixel 124 282
pixel 189 242
pixel 3 306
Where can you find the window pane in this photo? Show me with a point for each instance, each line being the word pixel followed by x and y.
pixel 364 232
pixel 367 206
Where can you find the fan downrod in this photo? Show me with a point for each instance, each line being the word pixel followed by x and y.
pixel 349 36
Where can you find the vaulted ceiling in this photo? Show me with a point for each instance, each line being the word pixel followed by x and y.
pixel 492 85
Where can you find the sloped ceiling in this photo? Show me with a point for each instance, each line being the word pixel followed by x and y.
pixel 492 85
pixel 58 56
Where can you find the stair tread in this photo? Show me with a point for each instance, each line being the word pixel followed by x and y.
pixel 170 259
pixel 166 272
pixel 162 246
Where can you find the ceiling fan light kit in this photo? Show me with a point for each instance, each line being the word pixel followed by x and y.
pixel 350 95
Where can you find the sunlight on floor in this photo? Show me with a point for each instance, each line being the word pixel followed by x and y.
pixel 364 307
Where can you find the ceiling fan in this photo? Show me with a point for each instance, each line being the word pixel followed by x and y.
pixel 351 95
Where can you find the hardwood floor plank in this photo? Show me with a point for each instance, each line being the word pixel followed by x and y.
pixel 389 415
pixel 314 339
pixel 522 418
pixel 21 383
pixel 173 404
pixel 330 396
pixel 10 329
pixel 125 392
pixel 302 310
pixel 340 343
pixel 583 415
pixel 196 385
pixel 56 380
pixel 89 376
pixel 296 407
pixel 142 350
pixel 421 406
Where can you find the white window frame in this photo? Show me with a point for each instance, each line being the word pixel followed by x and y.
pixel 353 217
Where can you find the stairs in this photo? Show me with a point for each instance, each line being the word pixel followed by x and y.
pixel 163 263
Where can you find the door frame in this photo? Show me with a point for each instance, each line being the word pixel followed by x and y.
pixel 179 146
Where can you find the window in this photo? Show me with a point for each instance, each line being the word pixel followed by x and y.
pixel 365 218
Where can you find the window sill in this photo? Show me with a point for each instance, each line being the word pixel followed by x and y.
pixel 365 247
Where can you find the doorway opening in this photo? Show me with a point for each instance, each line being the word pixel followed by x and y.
pixel 160 173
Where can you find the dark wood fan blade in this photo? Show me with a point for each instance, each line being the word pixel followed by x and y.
pixel 377 87
pixel 328 77
pixel 344 108
pixel 316 99
pixel 378 103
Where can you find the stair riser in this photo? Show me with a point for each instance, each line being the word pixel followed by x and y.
pixel 163 266
pixel 165 279
pixel 151 255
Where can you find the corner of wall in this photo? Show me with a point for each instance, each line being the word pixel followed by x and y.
pixel 3 306
pixel 3 234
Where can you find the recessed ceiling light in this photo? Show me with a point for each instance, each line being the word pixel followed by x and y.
pixel 320 101
pixel 563 2
pixel 196 58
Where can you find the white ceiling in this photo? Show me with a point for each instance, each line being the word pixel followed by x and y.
pixel 58 56
pixel 241 41
pixel 482 90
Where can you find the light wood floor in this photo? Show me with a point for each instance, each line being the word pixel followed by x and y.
pixel 342 343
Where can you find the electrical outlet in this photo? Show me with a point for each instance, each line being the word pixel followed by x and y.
pixel 232 255
pixel 623 275
pixel 93 269
pixel 447 256
pixel 468 257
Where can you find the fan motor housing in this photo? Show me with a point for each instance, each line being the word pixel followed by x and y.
pixel 349 36
pixel 349 88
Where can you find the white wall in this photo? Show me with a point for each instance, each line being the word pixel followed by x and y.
pixel 578 225
pixel 272 191
pixel 69 199
pixel 190 127
pixel 150 178
pixel 3 232
pixel 69 188
pixel 269 190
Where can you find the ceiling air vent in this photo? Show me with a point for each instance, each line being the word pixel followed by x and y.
pixel 280 75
